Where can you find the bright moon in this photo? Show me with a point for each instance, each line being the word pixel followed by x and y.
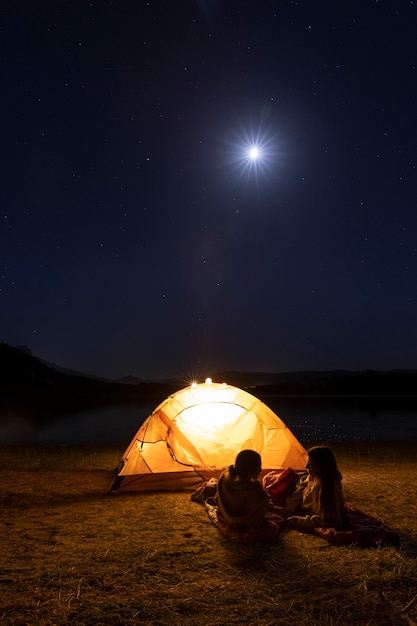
pixel 253 155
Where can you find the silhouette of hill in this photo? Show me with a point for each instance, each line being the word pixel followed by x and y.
pixel 327 383
pixel 31 386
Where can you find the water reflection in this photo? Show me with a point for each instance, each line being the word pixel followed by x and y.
pixel 309 419
pixel 347 419
pixel 108 425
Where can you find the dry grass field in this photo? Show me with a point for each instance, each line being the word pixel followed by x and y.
pixel 72 553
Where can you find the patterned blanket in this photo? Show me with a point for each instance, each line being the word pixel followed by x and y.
pixel 268 531
pixel 359 528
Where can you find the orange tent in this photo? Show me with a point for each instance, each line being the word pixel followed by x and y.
pixel 197 432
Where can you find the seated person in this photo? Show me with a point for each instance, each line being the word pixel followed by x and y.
pixel 318 498
pixel 237 504
pixel 241 499
pixel 315 503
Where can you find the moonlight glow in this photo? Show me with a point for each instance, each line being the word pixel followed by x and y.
pixel 253 155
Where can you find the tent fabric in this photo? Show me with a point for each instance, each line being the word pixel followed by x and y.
pixel 198 431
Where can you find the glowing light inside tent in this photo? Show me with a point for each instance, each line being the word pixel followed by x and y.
pixel 208 412
pixel 208 419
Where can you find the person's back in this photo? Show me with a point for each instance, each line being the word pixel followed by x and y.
pixel 243 503
pixel 241 499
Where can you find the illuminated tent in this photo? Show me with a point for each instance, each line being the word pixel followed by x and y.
pixel 197 432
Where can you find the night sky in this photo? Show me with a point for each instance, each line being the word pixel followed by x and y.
pixel 137 236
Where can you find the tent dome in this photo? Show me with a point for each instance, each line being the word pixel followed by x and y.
pixel 198 431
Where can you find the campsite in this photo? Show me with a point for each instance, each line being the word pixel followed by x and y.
pixel 208 274
pixel 77 550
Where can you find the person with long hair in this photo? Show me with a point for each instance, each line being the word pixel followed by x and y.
pixel 318 499
pixel 315 503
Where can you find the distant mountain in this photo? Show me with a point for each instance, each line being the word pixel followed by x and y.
pixel 129 380
pixel 331 383
pixel 311 383
pixel 324 383
pixel 262 379
pixel 32 387
pixel 19 366
pixel 36 386
pixel 63 370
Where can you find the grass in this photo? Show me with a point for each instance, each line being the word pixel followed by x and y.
pixel 71 553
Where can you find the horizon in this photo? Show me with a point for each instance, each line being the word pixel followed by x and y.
pixel 27 350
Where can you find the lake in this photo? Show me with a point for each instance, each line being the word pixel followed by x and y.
pixel 318 419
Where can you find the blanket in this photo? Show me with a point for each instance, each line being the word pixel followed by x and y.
pixel 268 531
pixel 278 484
pixel 358 528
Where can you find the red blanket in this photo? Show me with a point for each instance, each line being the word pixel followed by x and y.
pixel 359 528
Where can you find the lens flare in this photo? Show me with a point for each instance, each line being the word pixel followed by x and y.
pixel 251 155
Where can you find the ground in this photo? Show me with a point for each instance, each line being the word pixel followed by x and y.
pixel 72 553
